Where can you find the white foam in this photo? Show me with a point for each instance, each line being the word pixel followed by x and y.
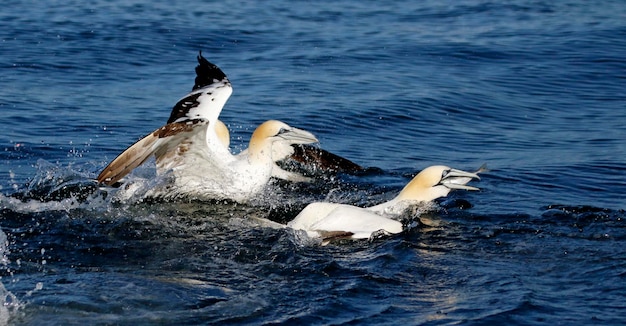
pixel 9 303
pixel 36 206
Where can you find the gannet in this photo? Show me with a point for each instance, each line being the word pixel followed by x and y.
pixel 329 221
pixel 431 183
pixel 190 150
pixel 196 111
pixel 235 177
pixel 310 158
pixel 283 150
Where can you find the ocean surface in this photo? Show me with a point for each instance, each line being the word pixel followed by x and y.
pixel 534 89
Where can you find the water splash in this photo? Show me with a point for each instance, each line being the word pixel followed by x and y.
pixel 9 303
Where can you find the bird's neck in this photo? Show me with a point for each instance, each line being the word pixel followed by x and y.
pixel 216 147
pixel 259 150
pixel 414 191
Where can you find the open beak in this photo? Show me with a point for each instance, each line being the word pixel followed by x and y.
pixel 298 136
pixel 457 179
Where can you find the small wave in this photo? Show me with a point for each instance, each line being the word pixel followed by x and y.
pixel 54 188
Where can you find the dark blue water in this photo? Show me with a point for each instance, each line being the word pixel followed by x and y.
pixel 536 90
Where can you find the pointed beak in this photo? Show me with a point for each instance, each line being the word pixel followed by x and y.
pixel 457 179
pixel 298 136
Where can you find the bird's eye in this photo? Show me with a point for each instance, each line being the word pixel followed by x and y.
pixel 444 173
pixel 282 131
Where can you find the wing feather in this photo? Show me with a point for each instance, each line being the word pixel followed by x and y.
pixel 319 159
pixel 204 104
pixel 159 143
pixel 132 157
pixel 209 95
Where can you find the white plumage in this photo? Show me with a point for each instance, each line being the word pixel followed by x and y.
pixel 190 148
pixel 330 220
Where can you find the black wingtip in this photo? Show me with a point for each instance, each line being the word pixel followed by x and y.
pixel 207 73
pixel 323 160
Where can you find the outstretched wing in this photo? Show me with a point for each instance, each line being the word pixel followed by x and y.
pixel 160 142
pixel 196 110
pixel 317 159
pixel 210 92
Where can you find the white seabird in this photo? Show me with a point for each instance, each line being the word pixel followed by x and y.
pixel 190 147
pixel 283 150
pixel 313 159
pixel 330 221
pixel 236 177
